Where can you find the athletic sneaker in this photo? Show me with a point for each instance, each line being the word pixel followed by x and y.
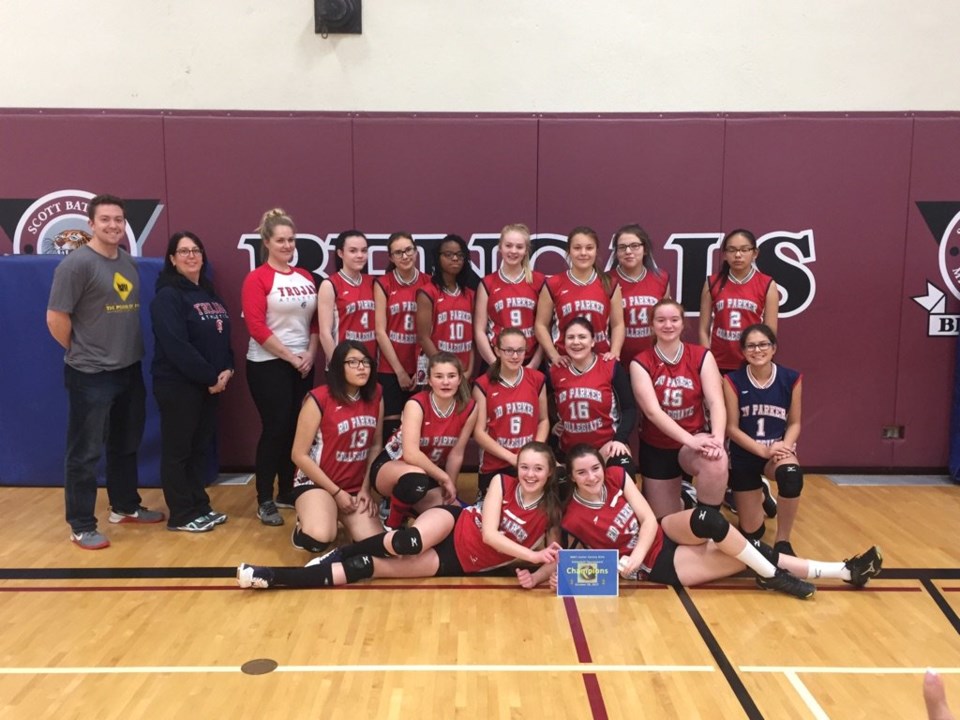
pixel 788 584
pixel 199 524
pixel 89 540
pixel 784 548
pixel 729 501
pixel 268 514
pixel 688 493
pixel 140 515
pixel 257 577
pixel 285 500
pixel 217 518
pixel 328 558
pixel 769 501
pixel 864 566
pixel 384 510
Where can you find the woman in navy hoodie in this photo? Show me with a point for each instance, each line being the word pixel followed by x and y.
pixel 192 365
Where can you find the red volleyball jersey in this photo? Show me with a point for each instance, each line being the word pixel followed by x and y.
pixel 346 434
pixel 609 524
pixel 438 434
pixel 737 305
pixel 571 299
pixel 401 319
pixel 512 305
pixel 513 413
pixel 452 321
pixel 679 391
pixel 586 404
pixel 525 525
pixel 354 311
pixel 639 297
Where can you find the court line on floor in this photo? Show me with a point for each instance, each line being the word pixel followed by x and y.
pixel 848 670
pixel 804 692
pixel 342 669
pixel 720 657
pixel 598 708
pixel 942 603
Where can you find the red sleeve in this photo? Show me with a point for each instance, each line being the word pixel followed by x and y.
pixel 253 299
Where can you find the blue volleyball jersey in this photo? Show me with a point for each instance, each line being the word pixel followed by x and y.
pixel 763 411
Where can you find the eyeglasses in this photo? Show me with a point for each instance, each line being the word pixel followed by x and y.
pixel 631 247
pixel 406 252
pixel 512 351
pixel 449 255
pixel 739 250
pixel 184 252
pixel 753 347
pixel 355 363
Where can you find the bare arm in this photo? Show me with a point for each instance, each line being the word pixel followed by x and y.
pixel 543 426
pixel 411 422
pixel 383 338
pixel 487 443
pixel 541 326
pixel 771 307
pixel 646 396
pixel 60 326
pixel 307 425
pixel 648 526
pixel 455 458
pixel 736 435
pixel 711 381
pixel 490 519
pixel 480 320
pixel 326 307
pixel 617 326
pixel 425 324
pixel 706 313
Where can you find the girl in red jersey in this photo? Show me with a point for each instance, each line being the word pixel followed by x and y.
pixel 280 309
pixel 338 435
pixel 691 547
pixel 594 399
pixel 395 296
pixel 642 284
pixel 345 306
pixel 676 384
pixel 419 465
pixel 511 408
pixel 583 291
pixel 737 296
pixel 507 298
pixel 445 305
pixel 516 522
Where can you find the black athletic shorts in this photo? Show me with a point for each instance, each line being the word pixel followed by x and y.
pixel 446 551
pixel 659 463
pixel 663 570
pixel 394 396
pixel 745 474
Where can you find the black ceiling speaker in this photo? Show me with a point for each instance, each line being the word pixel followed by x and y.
pixel 337 16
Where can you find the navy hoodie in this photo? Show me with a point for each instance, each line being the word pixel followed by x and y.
pixel 192 331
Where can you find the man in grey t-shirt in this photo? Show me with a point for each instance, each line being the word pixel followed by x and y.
pixel 94 313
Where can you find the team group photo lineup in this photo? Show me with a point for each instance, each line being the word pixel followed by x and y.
pixel 598 415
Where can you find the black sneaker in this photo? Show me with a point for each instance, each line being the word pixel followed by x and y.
pixel 864 566
pixel 769 501
pixel 784 548
pixel 788 584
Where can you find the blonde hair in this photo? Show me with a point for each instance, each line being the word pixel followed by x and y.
pixel 271 220
pixel 525 263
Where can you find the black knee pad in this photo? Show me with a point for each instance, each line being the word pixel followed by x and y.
pixel 789 479
pixel 407 541
pixel 768 552
pixel 708 523
pixel 308 542
pixel 624 461
pixel 358 567
pixel 755 535
pixel 411 487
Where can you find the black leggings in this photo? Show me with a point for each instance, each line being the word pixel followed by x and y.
pixel 278 391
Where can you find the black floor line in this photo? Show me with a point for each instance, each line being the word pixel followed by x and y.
pixel 942 603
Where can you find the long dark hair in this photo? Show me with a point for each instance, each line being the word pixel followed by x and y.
pixel 634 229
pixel 551 491
pixel 466 278
pixel 724 273
pixel 341 241
pixel 170 273
pixel 337 375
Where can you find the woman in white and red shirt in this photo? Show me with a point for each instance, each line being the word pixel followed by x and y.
pixel 280 309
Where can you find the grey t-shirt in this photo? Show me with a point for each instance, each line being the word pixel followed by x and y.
pixel 102 297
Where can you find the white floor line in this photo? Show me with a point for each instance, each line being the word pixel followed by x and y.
pixel 146 669
pixel 812 705
pixel 846 670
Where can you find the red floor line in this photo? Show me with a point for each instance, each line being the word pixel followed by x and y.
pixel 576 629
pixel 598 708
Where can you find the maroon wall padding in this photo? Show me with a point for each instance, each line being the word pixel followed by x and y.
pixel 850 186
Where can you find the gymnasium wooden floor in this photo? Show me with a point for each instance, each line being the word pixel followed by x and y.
pixel 155 627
